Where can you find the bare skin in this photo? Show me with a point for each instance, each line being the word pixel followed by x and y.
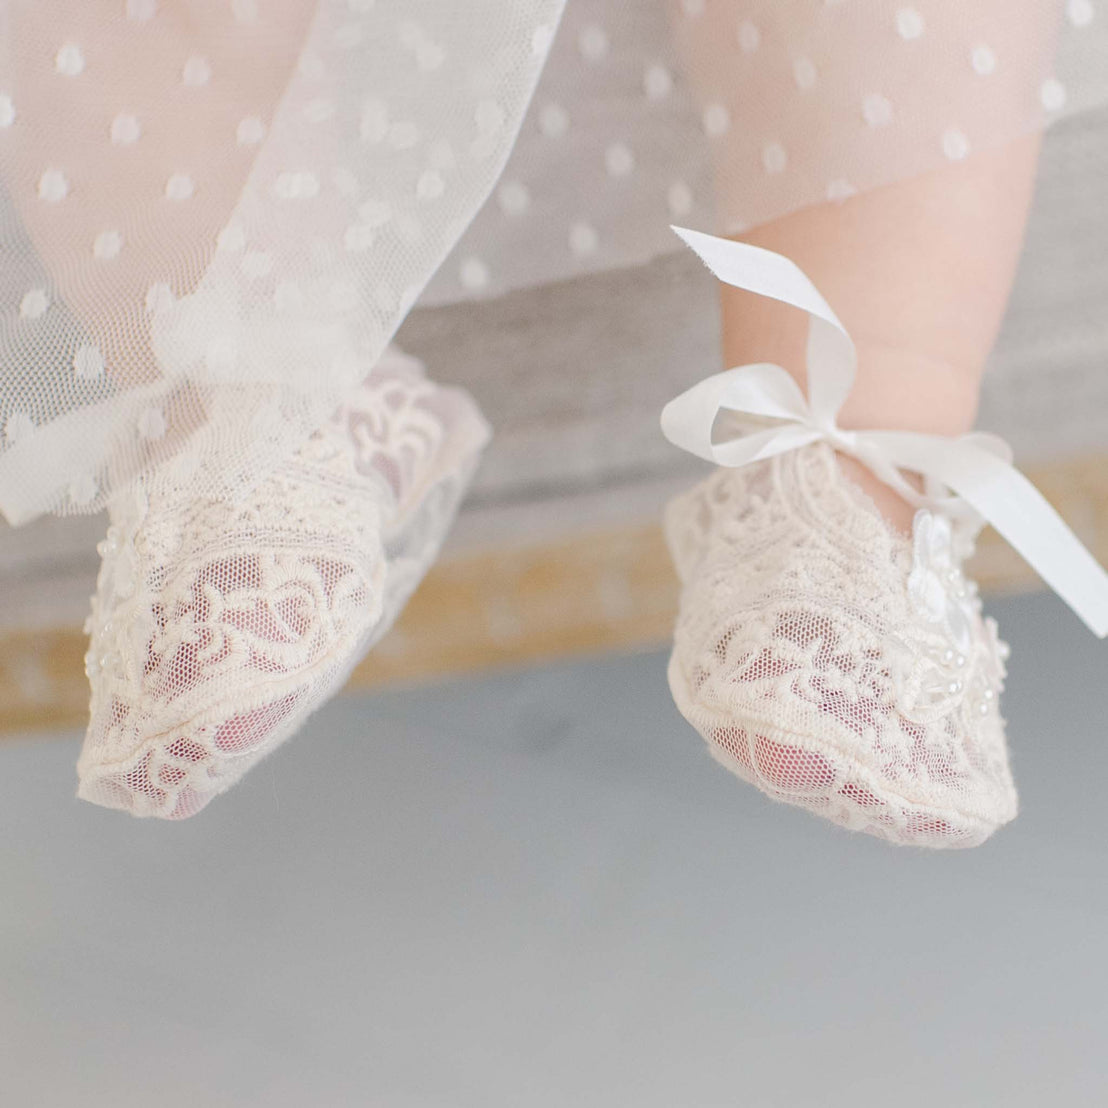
pixel 919 272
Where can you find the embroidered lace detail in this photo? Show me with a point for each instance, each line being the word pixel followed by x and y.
pixel 217 628
pixel 834 663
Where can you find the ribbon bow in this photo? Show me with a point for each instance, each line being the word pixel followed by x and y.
pixel 975 467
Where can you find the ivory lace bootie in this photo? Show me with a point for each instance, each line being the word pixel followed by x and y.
pixel 834 663
pixel 217 628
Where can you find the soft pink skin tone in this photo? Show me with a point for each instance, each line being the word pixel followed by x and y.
pixel 919 272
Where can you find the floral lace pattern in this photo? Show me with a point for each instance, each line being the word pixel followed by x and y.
pixel 217 628
pixel 834 663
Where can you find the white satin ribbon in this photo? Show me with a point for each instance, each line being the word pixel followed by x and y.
pixel 976 467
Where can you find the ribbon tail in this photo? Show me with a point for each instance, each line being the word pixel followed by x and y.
pixel 1018 511
pixel 832 360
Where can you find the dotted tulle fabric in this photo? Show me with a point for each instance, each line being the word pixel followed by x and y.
pixel 217 627
pixel 835 664
pixel 725 114
pixel 214 214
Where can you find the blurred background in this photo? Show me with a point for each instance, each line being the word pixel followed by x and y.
pixel 500 869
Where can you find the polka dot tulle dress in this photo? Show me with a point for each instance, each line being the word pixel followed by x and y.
pixel 215 213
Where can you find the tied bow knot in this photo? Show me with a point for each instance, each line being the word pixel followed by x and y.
pixel 969 477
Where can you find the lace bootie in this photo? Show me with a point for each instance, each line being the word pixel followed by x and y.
pixel 217 628
pixel 834 663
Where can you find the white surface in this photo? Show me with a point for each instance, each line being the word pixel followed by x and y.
pixel 538 891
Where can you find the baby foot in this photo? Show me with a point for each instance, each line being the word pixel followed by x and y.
pixel 216 628
pixel 835 663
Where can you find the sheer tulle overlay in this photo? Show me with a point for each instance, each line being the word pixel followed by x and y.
pixel 215 213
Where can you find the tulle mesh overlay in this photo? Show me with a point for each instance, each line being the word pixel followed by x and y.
pixel 725 114
pixel 834 663
pixel 215 214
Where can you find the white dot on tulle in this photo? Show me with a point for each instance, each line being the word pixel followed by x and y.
pixel 375 121
pixel 245 11
pixel 693 8
pixel 404 135
pixel 52 186
pixel 1080 12
pixel 82 489
pixel 288 297
pixel 750 38
pixel 583 239
pixel 804 73
pixel 179 187
pixel 774 158
pixel 17 427
pixel 541 38
pixel 34 304
pixel 716 120
pixel 7 110
pixel 358 237
pixel 296 185
pixel 159 298
pixel 250 131
pixel 70 62
pixel 489 117
pixel 680 199
pixel 955 144
pixel 257 263
pixel 474 274
pixel 513 198
pixel 983 60
pixel 619 160
pixel 141 11
pixel 839 190
pixel 430 185
pixel 88 362
pixel 231 239
pixel 657 82
pixel 593 43
pixel 197 71
pixel 125 129
pixel 151 423
pixel 375 213
pixel 107 245
pixel 909 24
pixel 877 110
pixel 1053 95
pixel 554 121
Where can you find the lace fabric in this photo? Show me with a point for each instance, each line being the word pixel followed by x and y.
pixel 217 628
pixel 834 663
